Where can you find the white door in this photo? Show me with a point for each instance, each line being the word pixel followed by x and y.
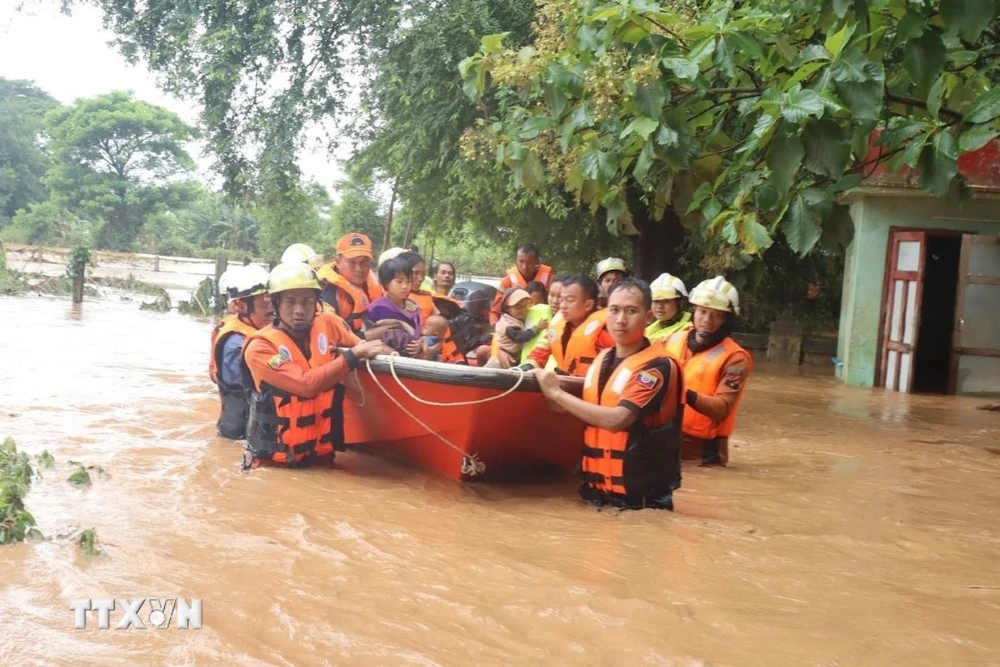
pixel 904 290
pixel 975 359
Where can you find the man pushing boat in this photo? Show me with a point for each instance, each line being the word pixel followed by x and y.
pixel 632 406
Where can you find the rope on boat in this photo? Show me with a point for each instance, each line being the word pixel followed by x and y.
pixel 471 465
pixel 478 401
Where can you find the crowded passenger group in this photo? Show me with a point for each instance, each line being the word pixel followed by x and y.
pixel 658 375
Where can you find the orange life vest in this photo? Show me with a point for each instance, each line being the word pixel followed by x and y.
pixel 640 466
pixel 349 300
pixel 234 401
pixel 291 430
pixel 450 353
pixel 227 325
pixel 702 373
pixel 581 349
pixel 543 276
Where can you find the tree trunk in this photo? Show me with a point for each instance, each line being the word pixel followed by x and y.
pixel 387 239
pixel 408 238
pixel 78 289
pixel 657 247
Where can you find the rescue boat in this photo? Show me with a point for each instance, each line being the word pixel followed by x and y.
pixel 465 422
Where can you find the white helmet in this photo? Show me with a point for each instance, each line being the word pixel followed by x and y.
pixel 611 264
pixel 300 252
pixel 226 279
pixel 389 253
pixel 717 294
pixel 250 280
pixel 667 287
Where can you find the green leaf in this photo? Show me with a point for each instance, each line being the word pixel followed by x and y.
pixel 803 72
pixel 939 164
pixel 649 100
pixel 910 27
pixel 984 108
pixel 976 138
pixel 703 192
pixel 493 43
pixel 799 104
pixel 896 136
pixel 864 99
pixel 702 50
pixel 598 165
pixel 835 42
pixel 800 226
pixel 529 172
pixel 682 67
pixel 910 154
pixel 784 159
pixel 556 100
pixel 642 126
pixel 610 196
pixel 924 58
pixel 667 136
pixel 712 209
pixel 766 196
pixel 533 126
pixel 840 8
pixel 934 97
pixel 828 148
pixel 724 57
pixel 730 230
pixel 643 163
pixel 968 17
pixel 851 66
pixel 963 58
pixel 754 235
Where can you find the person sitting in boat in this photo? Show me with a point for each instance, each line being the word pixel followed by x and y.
pixel 537 292
pixel 548 312
pixel 296 371
pixel 575 338
pixel 510 333
pixel 444 278
pixel 716 369
pixel 609 272
pixel 527 269
pixel 396 306
pixel 251 310
pixel 669 309
pixel 435 331
pixel 632 406
pixel 348 283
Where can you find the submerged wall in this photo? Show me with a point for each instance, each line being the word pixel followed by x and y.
pixel 874 212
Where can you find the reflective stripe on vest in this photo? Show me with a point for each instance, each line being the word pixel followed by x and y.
pixel 349 300
pixel 288 429
pixel 644 460
pixel 702 373
pixel 228 325
pixel 581 350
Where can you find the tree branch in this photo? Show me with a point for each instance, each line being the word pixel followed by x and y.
pixel 914 102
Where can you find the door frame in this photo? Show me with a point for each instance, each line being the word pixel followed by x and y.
pixel 964 280
pixel 883 330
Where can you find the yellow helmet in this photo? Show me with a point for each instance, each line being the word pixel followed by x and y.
pixel 718 294
pixel 249 280
pixel 292 275
pixel 300 252
pixel 611 264
pixel 667 286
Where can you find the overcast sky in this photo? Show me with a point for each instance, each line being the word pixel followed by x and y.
pixel 69 57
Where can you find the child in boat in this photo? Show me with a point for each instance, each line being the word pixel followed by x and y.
pixel 536 291
pixel 510 334
pixel 397 309
pixel 435 331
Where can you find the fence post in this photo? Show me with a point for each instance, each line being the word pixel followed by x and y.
pixel 784 345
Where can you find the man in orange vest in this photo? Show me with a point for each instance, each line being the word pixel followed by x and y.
pixel 348 283
pixel 296 369
pixel 716 369
pixel 250 309
pixel 527 269
pixel 575 338
pixel 632 406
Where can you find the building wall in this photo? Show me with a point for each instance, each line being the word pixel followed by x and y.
pixel 874 213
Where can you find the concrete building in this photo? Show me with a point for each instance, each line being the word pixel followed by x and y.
pixel 921 300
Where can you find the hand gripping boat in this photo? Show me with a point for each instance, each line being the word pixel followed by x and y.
pixel 465 422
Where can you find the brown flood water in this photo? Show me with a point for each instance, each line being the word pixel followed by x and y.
pixel 853 528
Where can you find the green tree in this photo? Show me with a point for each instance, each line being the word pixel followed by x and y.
pixel 357 211
pixel 48 224
pixel 750 117
pixel 119 160
pixel 22 160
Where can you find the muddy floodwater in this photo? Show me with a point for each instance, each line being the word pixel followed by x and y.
pixel 853 527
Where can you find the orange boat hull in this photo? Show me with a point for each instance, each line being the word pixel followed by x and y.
pixel 513 435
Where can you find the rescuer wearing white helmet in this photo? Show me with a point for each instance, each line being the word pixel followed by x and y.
pixel 224 281
pixel 669 309
pixel 300 252
pixel 610 271
pixel 250 310
pixel 716 369
pixel 297 371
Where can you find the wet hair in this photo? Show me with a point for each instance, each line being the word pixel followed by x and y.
pixel 437 267
pixel 557 279
pixel 411 259
pixel 530 249
pixel 389 269
pixel 535 286
pixel 636 284
pixel 587 285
